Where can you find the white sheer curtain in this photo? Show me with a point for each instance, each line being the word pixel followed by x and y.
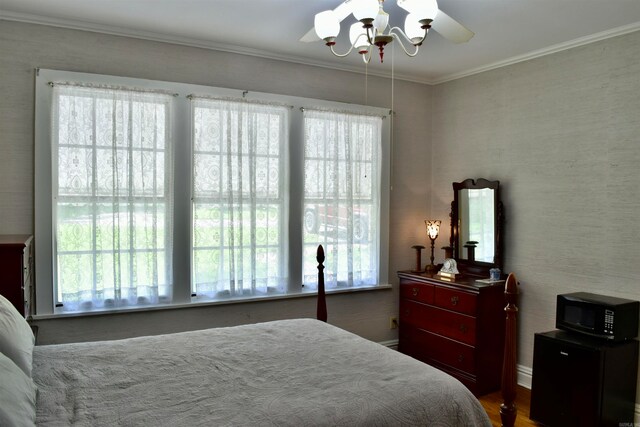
pixel 112 196
pixel 239 198
pixel 342 197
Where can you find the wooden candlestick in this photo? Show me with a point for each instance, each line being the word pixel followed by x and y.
pixel 448 252
pixel 418 249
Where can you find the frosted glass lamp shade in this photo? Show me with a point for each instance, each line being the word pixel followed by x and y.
pixel 326 24
pixel 381 21
pixel 358 36
pixel 365 9
pixel 433 228
pixel 413 28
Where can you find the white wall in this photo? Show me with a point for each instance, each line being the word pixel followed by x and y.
pixel 23 47
pixel 562 134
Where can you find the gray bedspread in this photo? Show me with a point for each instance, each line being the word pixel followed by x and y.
pixel 285 373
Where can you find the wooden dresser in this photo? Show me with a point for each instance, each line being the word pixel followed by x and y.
pixel 16 262
pixel 457 326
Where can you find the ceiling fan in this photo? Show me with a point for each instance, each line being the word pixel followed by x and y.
pixel 372 26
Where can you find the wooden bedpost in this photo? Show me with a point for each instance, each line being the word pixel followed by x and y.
pixel 322 303
pixel 508 409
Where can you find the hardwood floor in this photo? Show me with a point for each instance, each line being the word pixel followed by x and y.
pixel 491 403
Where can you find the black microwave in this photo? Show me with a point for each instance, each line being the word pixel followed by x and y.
pixel 612 318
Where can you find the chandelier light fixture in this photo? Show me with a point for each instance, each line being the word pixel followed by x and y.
pixel 372 28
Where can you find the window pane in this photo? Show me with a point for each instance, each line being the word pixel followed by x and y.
pixel 341 197
pixel 113 211
pixel 238 198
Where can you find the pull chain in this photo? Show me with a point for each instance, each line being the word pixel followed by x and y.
pixel 366 83
pixel 392 113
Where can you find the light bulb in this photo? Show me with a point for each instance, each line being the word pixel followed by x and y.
pixel 326 24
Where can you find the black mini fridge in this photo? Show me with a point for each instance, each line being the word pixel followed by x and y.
pixel 583 381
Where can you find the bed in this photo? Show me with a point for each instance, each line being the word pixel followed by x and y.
pixel 299 372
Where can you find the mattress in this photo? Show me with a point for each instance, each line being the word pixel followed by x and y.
pixel 299 372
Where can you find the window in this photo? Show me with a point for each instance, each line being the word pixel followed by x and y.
pixel 239 204
pixel 342 196
pixel 112 197
pixel 151 192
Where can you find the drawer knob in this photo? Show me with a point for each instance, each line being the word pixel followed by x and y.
pixel 463 328
pixel 461 358
pixel 454 300
pixel 407 312
pixel 414 292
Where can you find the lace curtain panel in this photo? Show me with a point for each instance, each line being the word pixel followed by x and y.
pixel 239 198
pixel 342 197
pixel 112 203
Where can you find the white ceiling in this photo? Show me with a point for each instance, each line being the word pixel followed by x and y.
pixel 506 31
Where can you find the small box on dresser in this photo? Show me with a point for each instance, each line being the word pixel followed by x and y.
pixel 16 262
pixel 456 325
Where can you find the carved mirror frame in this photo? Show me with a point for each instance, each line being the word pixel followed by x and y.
pixel 477 268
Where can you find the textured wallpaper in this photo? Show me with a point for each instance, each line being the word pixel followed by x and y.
pixel 562 134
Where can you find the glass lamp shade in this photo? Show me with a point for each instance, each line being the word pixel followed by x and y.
pixel 326 24
pixel 413 28
pixel 365 9
pixel 433 228
pixel 423 9
pixel 358 37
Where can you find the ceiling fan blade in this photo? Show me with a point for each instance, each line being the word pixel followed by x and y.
pixel 343 10
pixel 451 29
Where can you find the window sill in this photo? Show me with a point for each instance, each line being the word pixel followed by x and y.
pixel 195 303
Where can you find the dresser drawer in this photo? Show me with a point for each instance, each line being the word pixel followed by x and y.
pixel 414 314
pixel 455 300
pixel 430 348
pixel 417 291
pixel 411 342
pixel 459 327
pixel 451 353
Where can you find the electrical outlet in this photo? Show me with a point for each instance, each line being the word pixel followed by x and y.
pixel 393 322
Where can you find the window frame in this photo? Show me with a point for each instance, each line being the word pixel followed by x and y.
pixel 180 123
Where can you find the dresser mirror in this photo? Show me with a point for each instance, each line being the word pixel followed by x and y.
pixel 476 226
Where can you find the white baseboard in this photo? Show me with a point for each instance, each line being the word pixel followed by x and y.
pixel 524 375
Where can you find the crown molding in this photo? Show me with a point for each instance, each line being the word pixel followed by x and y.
pixel 205 44
pixel 614 32
pixel 193 42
